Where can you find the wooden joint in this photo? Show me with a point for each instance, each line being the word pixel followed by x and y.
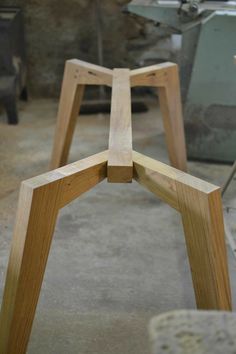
pixel 89 74
pixel 163 76
pixel 154 75
pixel 198 202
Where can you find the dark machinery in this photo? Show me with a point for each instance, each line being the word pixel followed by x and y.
pixel 12 61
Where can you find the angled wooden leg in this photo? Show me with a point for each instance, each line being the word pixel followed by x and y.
pixel 69 106
pixel 201 209
pixel 200 205
pixel 39 202
pixel 165 76
pixel 37 211
pixel 171 108
pixel 77 74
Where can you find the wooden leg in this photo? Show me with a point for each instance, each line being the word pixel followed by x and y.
pixel 37 212
pixel 200 205
pixel 39 202
pixel 203 224
pixel 171 108
pixel 69 106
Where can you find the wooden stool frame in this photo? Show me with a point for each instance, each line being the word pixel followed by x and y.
pixel 43 196
pixel 162 76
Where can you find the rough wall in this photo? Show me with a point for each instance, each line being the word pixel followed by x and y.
pixel 59 30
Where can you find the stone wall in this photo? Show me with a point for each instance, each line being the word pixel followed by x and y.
pixel 57 30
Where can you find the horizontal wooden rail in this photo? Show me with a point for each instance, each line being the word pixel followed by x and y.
pixel 154 75
pixel 90 74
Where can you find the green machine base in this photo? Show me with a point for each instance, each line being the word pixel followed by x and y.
pixel 208 77
pixel 210 105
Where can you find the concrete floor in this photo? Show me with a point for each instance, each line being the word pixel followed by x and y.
pixel 118 256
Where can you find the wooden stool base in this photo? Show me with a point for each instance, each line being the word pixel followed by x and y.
pixel 164 77
pixel 43 196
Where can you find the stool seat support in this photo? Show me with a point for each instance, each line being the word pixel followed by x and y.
pixel 164 77
pixel 41 197
pixel 120 163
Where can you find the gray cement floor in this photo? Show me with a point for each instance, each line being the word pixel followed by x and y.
pixel 118 256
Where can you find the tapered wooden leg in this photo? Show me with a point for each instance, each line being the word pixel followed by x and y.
pixel 171 108
pixel 200 205
pixel 34 228
pixel 166 78
pixel 39 202
pixel 205 239
pixel 69 106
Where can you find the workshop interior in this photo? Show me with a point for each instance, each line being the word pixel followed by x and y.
pixel 117 176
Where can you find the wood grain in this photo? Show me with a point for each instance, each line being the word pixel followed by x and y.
pixel 154 75
pixel 77 74
pixel 41 197
pixel 163 76
pixel 91 74
pixel 202 216
pixel 69 106
pixel 157 177
pixel 200 205
pixel 39 202
pixel 120 164
pixel 166 78
pixel 171 108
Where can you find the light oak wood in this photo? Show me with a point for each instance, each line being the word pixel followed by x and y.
pixel 202 216
pixel 154 75
pixel 120 164
pixel 166 77
pixel 158 177
pixel 40 199
pixel 171 108
pixel 91 74
pixel 200 205
pixel 77 74
pixel 69 106
pixel 163 76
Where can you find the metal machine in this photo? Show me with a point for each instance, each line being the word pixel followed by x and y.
pixel 208 73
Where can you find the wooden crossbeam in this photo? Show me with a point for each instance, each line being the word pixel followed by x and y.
pixel 154 75
pixel 120 164
pixel 198 202
pixel 163 76
pixel 90 74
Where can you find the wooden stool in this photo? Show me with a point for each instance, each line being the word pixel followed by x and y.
pixel 41 197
